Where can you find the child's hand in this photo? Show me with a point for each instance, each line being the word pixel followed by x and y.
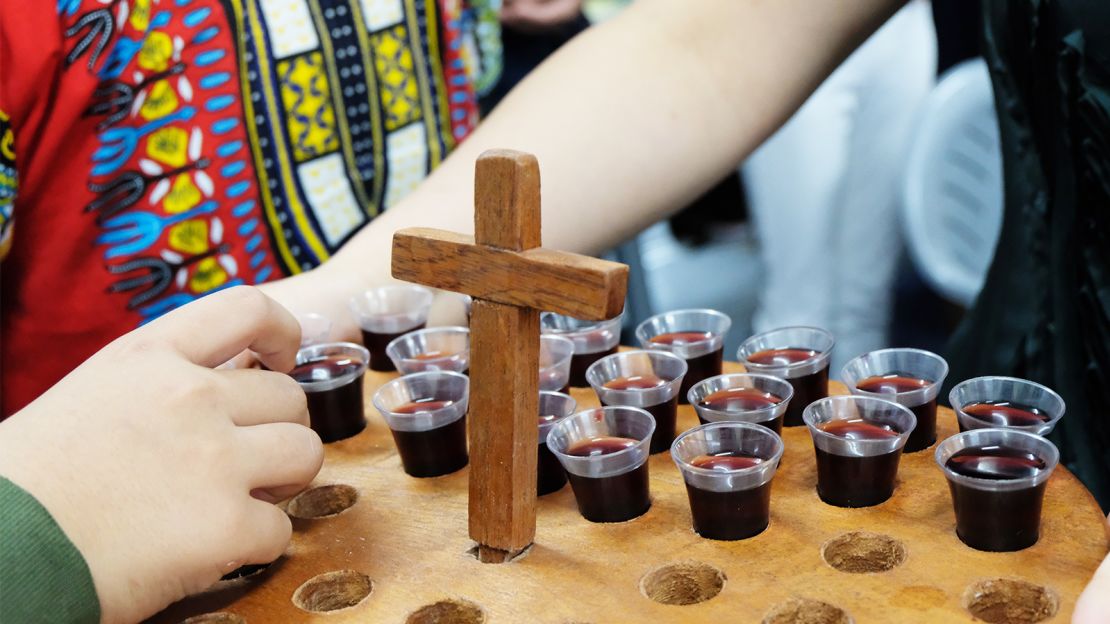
pixel 161 470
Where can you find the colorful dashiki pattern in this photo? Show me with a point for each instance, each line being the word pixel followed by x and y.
pixel 242 140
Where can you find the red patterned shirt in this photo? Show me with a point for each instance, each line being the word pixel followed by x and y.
pixel 154 152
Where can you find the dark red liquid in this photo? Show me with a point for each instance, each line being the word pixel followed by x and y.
pixel 807 388
pixel 431 355
pixel 995 462
pixel 422 406
pixel 892 383
pixel 638 382
pixel 376 343
pixel 580 362
pixel 433 452
pixel 612 499
pixel 997 521
pixel 856 481
pixel 858 429
pixel 725 462
pixel 697 368
pixel 664 413
pixel 775 424
pixel 334 414
pixel 925 433
pixel 730 515
pixel 1006 414
pixel 743 399
pixel 665 416
pixel 782 357
pixel 681 338
pixel 550 474
pixel 739 400
pixel 605 445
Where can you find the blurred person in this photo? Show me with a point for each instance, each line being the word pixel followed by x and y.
pixel 155 152
pixel 530 31
pixel 824 190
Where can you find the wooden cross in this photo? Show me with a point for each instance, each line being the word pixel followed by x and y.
pixel 511 279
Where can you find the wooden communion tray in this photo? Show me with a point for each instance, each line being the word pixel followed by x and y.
pixel 409 538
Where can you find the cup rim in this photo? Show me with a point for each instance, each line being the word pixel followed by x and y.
pixel 1040 430
pixel 669 389
pixel 579 335
pixel 608 456
pixel 376 399
pixel 808 417
pixel 641 329
pixel 546 426
pixel 818 359
pixel 391 348
pixel 762 414
pixel 1051 462
pixel 565 359
pixel 328 384
pixel 924 393
pixel 356 302
pixel 780 447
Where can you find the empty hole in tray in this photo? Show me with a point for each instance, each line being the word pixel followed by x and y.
pixel 1011 601
pixel 332 591
pixel 323 501
pixel 806 611
pixel 452 611
pixel 861 552
pixel 683 583
pixel 221 617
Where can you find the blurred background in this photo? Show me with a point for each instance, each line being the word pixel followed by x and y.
pixel 873 213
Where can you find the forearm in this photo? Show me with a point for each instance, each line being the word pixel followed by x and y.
pixel 637 117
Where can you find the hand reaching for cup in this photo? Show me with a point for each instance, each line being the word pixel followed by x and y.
pixel 161 470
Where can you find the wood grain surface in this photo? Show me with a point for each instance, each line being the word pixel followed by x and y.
pixel 538 278
pixel 504 401
pixel 406 539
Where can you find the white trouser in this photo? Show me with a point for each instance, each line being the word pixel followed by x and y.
pixel 824 190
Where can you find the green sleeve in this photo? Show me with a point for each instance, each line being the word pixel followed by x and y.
pixel 43 578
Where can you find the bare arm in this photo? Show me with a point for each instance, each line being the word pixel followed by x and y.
pixel 635 118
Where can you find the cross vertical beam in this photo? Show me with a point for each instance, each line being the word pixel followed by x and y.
pixel 504 405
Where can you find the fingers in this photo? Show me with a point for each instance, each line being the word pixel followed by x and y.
pixel 245 359
pixel 257 397
pixel 212 330
pixel 279 456
pixel 266 536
